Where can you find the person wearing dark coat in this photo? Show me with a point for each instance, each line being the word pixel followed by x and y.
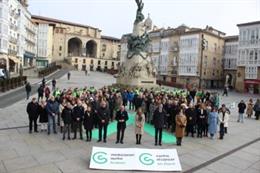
pixel 89 122
pixel 121 118
pixel 33 112
pixel 103 116
pixel 241 110
pixel 28 89
pixel 40 92
pixel 159 121
pixel 138 102
pixel 191 115
pixel 66 116
pixel 77 116
pixel 43 115
pixel 52 111
pixel 202 120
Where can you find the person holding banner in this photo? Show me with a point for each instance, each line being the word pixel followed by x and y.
pixel 158 121
pixel 181 122
pixel 103 115
pixel 139 125
pixel 121 118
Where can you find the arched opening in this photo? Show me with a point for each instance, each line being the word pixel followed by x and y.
pixel 229 80
pixel 11 65
pixel 91 49
pixel 74 47
pixel 3 63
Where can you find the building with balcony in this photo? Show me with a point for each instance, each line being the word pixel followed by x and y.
pixel 248 62
pixel 230 60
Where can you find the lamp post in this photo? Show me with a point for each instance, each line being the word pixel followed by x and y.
pixel 203 46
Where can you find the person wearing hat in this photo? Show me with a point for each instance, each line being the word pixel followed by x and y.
pixel 33 112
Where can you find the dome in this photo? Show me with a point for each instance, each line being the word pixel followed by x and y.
pixel 148 22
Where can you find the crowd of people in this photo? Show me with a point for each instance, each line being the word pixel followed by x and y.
pixel 196 113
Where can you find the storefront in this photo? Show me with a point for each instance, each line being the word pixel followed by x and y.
pixel 252 86
pixel 41 62
pixel 28 59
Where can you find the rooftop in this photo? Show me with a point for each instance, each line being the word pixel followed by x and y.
pixel 61 21
pixel 231 38
pixel 249 23
pixel 110 38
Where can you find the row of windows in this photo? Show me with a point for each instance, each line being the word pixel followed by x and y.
pixel 189 43
pixel 249 57
pixel 231 49
pixel 249 34
pixel 230 63
pixel 187 70
pixel 3 44
pixel 188 58
pixel 251 72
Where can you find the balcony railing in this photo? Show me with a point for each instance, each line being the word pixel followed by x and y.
pixel 13 40
pixel 30 30
pixel 12 52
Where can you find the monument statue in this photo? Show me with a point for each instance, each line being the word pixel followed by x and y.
pixel 138 69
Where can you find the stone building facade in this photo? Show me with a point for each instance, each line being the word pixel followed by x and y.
pixel 180 59
pixel 81 45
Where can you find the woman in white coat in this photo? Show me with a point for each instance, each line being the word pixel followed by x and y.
pixel 223 116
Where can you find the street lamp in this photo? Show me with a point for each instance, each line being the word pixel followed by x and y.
pixel 203 46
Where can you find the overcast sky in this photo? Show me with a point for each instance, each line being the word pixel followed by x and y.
pixel 115 17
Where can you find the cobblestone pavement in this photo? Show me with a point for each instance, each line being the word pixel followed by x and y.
pixel 21 152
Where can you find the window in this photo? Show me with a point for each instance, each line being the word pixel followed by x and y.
pixel 76 60
pixel 105 62
pixel 60 48
pixel 84 61
pixel 99 62
pixel 59 54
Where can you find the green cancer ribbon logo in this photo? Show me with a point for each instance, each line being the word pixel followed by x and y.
pixel 100 157
pixel 145 159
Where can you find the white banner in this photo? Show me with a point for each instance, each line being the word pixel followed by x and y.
pixel 135 159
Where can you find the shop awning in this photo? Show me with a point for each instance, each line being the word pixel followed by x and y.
pixel 29 55
pixel 253 81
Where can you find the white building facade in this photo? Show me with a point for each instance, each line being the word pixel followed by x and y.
pixel 230 60
pixel 249 56
pixel 4 27
pixel 189 55
pixel 15 41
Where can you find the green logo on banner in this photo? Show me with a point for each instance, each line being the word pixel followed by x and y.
pixel 145 158
pixel 100 157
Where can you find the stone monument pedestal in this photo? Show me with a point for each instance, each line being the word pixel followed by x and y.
pixel 137 72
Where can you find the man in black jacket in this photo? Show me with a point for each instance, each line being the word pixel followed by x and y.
pixel 158 121
pixel 121 118
pixel 241 111
pixel 28 90
pixel 66 116
pixel 103 115
pixel 32 110
pixel 77 115
pixel 40 92
pixel 191 115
